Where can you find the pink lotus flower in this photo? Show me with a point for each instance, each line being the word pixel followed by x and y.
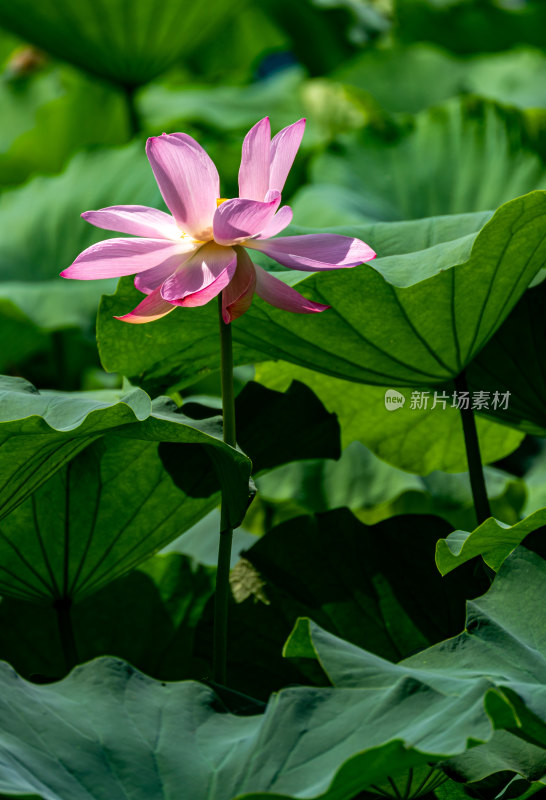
pixel 201 250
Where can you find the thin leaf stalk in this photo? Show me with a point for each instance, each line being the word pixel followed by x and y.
pixel 473 456
pixel 62 608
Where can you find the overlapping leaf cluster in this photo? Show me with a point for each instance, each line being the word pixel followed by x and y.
pixel 348 673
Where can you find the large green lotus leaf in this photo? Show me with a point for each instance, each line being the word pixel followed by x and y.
pixel 515 78
pixel 363 583
pixel 109 731
pixel 489 768
pixel 412 319
pixel 132 492
pixel 48 115
pixel 419 317
pixel 400 78
pixel 328 205
pixel 128 42
pixel 511 363
pixel 147 617
pixel 417 76
pixel 466 155
pixel 392 238
pixel 39 432
pixel 108 510
pixel 504 638
pixel 492 540
pixel 155 355
pixel 460 26
pixel 418 440
pixel 42 431
pixel 232 468
pixel 502 650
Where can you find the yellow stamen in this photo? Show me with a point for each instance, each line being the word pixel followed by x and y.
pixel 221 200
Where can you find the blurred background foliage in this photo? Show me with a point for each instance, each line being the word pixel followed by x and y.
pixel 416 109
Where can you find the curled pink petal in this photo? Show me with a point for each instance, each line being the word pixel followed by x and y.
pixel 237 296
pixel 284 147
pixel 271 195
pixel 237 220
pixel 315 251
pixel 278 294
pixel 255 159
pixel 205 274
pixel 151 308
pixel 188 181
pixel 151 279
pixel 203 296
pixel 278 223
pixel 136 220
pixel 113 258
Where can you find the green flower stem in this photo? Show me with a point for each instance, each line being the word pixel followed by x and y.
pixel 221 597
pixel 475 468
pixel 66 632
